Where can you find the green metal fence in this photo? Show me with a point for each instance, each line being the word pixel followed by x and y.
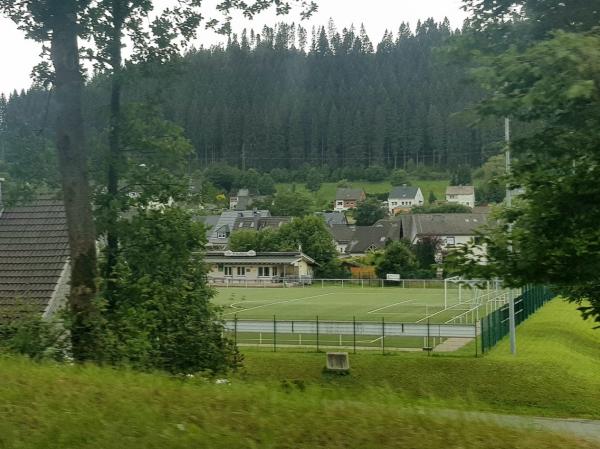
pixel 495 326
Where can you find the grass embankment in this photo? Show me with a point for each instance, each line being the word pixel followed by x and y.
pixel 556 371
pixel 326 194
pixel 72 407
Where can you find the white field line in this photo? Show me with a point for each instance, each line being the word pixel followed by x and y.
pixel 279 302
pixel 236 304
pixel 437 313
pixel 392 305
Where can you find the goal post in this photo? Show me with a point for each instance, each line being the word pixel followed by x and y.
pixel 472 284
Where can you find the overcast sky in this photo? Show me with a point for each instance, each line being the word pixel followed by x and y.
pixel 19 55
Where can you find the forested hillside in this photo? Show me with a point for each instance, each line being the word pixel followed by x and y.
pixel 286 96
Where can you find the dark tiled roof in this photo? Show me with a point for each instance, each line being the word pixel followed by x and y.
pixel 333 218
pixel 442 224
pixel 404 192
pixel 349 194
pixel 360 239
pixel 34 249
pixel 257 223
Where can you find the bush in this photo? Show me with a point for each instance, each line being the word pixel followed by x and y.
pixel 375 174
pixel 159 313
pixel 399 177
pixel 26 333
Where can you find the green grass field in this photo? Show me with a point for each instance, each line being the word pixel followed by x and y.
pixel 394 304
pixel 326 193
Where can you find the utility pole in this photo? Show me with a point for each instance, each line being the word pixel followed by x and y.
pixel 511 299
pixel 244 156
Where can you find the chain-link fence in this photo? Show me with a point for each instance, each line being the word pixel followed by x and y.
pixel 347 335
pixel 495 326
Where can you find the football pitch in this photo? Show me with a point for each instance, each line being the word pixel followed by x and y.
pixel 392 304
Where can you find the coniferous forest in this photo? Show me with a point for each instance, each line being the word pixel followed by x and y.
pixel 287 96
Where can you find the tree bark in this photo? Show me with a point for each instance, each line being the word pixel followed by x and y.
pixel 72 159
pixel 112 238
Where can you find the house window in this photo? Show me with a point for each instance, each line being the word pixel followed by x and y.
pixel 274 271
pixel 221 235
pixel 450 241
pixel 264 272
pixel 340 203
pixel 241 271
pixel 228 271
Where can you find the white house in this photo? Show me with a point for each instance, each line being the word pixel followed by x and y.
pixel 464 195
pixel 404 198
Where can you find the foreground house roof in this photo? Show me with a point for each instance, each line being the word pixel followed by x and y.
pixel 34 256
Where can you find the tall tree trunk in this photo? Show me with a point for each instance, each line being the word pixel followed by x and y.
pixel 73 166
pixel 113 206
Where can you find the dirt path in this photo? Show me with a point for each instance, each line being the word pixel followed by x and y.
pixel 582 428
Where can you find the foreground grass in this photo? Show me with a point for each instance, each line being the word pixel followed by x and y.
pixel 49 407
pixel 556 371
pixel 285 401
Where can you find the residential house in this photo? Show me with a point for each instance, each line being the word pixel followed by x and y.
pixel 346 198
pixel 241 201
pixel 464 195
pixel 220 227
pixel 404 198
pixel 258 223
pixel 450 230
pixel 228 267
pixel 360 240
pixel 34 257
pixel 333 218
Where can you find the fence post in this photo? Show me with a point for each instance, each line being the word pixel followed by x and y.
pixel 383 335
pixel 428 337
pixel 274 334
pixel 475 339
pixel 317 333
pixel 354 333
pixel 235 320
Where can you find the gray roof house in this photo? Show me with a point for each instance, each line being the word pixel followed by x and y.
pixel 241 201
pixel 450 229
pixel 333 218
pixel 404 198
pixel 34 257
pixel 359 240
pixel 258 223
pixel 219 228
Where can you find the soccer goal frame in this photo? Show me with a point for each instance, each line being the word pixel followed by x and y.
pixel 473 284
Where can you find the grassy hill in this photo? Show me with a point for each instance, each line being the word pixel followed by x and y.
pixel 326 193
pixel 284 401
